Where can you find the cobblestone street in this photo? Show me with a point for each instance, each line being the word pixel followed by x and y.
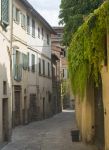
pixel 50 134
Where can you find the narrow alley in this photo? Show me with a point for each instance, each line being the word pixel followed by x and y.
pixel 50 134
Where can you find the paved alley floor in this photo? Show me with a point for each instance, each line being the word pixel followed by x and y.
pixel 50 134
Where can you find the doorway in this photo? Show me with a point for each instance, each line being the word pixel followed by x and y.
pixel 99 116
pixel 5 119
pixel 25 110
pixel 43 107
pixel 17 117
pixel 33 107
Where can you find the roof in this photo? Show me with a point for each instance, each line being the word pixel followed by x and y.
pixel 58 27
pixel 36 14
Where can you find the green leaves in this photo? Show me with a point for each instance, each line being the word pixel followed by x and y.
pixel 72 15
pixel 86 51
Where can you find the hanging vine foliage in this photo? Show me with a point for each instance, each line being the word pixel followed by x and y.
pixel 86 51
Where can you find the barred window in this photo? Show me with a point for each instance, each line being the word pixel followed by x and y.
pixel 5 11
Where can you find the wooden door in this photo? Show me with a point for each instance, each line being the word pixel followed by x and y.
pixel 17 119
pixel 5 119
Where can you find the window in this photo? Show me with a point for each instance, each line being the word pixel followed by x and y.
pixel 38 32
pixel 42 33
pixel 33 28
pixel 23 21
pixel 43 62
pixel 5 11
pixel 33 63
pixel 48 39
pixel 39 66
pixel 28 59
pixel 17 65
pixel 63 73
pixel 25 61
pixel 48 69
pixel 16 14
pixel 28 24
pixel 4 87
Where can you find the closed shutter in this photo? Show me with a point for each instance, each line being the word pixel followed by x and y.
pixel 25 61
pixel 14 63
pixel 28 24
pixel 28 55
pixel 23 21
pixel 33 63
pixel 5 11
pixel 14 13
pixel 20 67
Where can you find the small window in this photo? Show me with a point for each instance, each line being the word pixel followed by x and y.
pixel 48 39
pixel 28 61
pixel 4 88
pixel 23 21
pixel 48 69
pixel 43 61
pixel 39 66
pixel 42 33
pixel 28 24
pixel 33 63
pixel 25 61
pixel 63 73
pixel 17 15
pixel 38 32
pixel 33 28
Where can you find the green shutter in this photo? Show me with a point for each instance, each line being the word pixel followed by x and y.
pixel 5 11
pixel 14 63
pixel 33 63
pixel 25 61
pixel 14 13
pixel 19 68
pixel 28 60
pixel 23 20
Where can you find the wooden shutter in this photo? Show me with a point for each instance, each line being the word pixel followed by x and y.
pixel 5 11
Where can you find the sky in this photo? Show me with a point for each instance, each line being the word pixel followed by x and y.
pixel 49 9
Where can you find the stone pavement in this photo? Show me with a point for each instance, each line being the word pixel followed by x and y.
pixel 50 134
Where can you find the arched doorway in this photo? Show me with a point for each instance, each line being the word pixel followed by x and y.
pixel 99 116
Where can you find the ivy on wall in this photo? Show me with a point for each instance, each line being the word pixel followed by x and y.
pixel 86 51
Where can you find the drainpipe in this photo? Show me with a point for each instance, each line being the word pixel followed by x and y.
pixel 11 56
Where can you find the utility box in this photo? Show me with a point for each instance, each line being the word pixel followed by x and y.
pixel 75 134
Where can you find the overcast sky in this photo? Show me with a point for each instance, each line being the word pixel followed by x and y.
pixel 49 9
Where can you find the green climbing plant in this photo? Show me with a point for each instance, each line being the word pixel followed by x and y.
pixel 86 51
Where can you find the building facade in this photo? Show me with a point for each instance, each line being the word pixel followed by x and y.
pixel 5 71
pixel 32 82
pixel 25 66
pixel 62 70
